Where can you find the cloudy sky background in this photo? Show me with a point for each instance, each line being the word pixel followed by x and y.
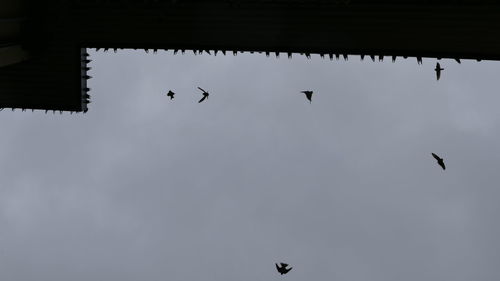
pixel 345 188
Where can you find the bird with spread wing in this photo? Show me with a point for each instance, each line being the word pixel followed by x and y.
pixel 282 269
pixel 205 95
pixel 440 160
pixel 308 94
pixel 171 95
pixel 438 70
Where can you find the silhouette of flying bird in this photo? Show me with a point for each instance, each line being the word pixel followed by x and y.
pixel 439 160
pixel 283 269
pixel 171 95
pixel 308 95
pixel 205 95
pixel 438 70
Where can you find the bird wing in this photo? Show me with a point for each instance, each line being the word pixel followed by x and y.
pixel 442 165
pixel 277 267
pixel 202 99
pixel 202 90
pixel 435 156
pixel 308 94
pixel 289 269
pixel 283 264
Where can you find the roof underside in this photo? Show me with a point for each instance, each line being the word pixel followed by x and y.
pixel 56 30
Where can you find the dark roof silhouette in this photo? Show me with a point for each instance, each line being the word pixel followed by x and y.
pixel 47 65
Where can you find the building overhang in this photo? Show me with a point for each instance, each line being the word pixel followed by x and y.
pixel 55 33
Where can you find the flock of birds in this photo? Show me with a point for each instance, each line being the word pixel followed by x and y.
pixel 283 268
pixel 204 93
pixel 309 94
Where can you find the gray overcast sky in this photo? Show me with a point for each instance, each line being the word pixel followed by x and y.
pixel 345 188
